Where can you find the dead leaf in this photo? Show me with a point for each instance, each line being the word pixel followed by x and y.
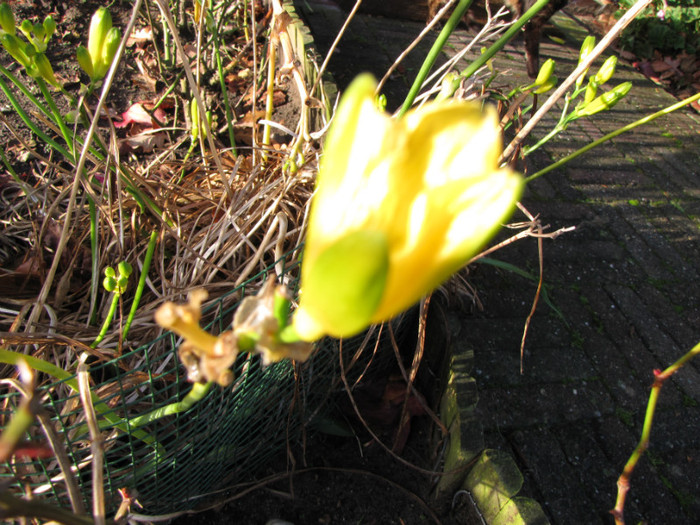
pixel 140 36
pixel 137 114
pixel 145 141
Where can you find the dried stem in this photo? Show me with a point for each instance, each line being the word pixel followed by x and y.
pixel 98 501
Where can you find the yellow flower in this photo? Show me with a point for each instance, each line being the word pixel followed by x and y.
pixel 400 205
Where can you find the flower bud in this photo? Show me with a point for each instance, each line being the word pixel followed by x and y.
pixel 591 91
pixel 43 69
pixel 39 32
pixel 109 283
pixel 85 61
pixel 586 49
pixel 604 101
pixel 449 85
pixel 125 269
pixel 49 28
pixel 7 19
pixel 100 25
pixel 109 272
pixel 551 82
pixel 16 48
pixel 194 117
pixel 606 71
pixel 122 282
pixel 109 48
pixel 545 73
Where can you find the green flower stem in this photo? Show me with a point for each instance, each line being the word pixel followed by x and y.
pixel 12 358
pixel 30 123
pixel 623 483
pixel 68 137
pixel 447 30
pixel 224 91
pixel 25 91
pixel 504 39
pixel 628 127
pixel 108 320
pixel 95 261
pixel 434 52
pixel 142 282
pixel 196 394
pixel 563 123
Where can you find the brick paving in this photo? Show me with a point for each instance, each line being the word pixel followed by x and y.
pixel 623 287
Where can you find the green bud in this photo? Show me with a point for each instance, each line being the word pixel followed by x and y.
pixel 586 49
pixel 122 282
pixel 26 27
pixel 194 117
pixel 16 48
pixel 49 28
pixel 551 82
pixel 109 272
pixel 604 101
pixel 39 32
pixel 448 86
pixel 545 72
pixel 109 283
pixel 85 61
pixel 100 24
pixel 591 92
pixel 71 117
pixel 7 19
pixel 109 49
pixel 124 269
pixel 606 71
pixel 380 101
pixel 43 68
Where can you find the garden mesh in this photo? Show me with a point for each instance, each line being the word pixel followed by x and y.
pixel 174 462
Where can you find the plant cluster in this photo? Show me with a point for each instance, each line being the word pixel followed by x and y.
pixel 667 27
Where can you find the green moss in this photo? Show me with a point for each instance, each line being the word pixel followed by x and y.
pixel 625 416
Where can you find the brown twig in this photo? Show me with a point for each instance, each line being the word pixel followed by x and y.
pixel 96 443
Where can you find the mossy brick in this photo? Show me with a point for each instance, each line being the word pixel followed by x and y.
pixel 466 438
pixel 520 511
pixel 493 481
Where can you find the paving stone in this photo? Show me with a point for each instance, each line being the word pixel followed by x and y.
pixel 544 404
pixel 589 462
pixel 543 460
pixel 656 339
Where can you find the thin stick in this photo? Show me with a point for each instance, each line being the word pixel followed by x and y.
pixel 623 482
pixel 98 495
pixel 580 70
pixel 412 45
pixel 340 34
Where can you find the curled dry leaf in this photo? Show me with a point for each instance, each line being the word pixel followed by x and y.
pixel 137 114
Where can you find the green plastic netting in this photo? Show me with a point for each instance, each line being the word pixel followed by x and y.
pixel 174 462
